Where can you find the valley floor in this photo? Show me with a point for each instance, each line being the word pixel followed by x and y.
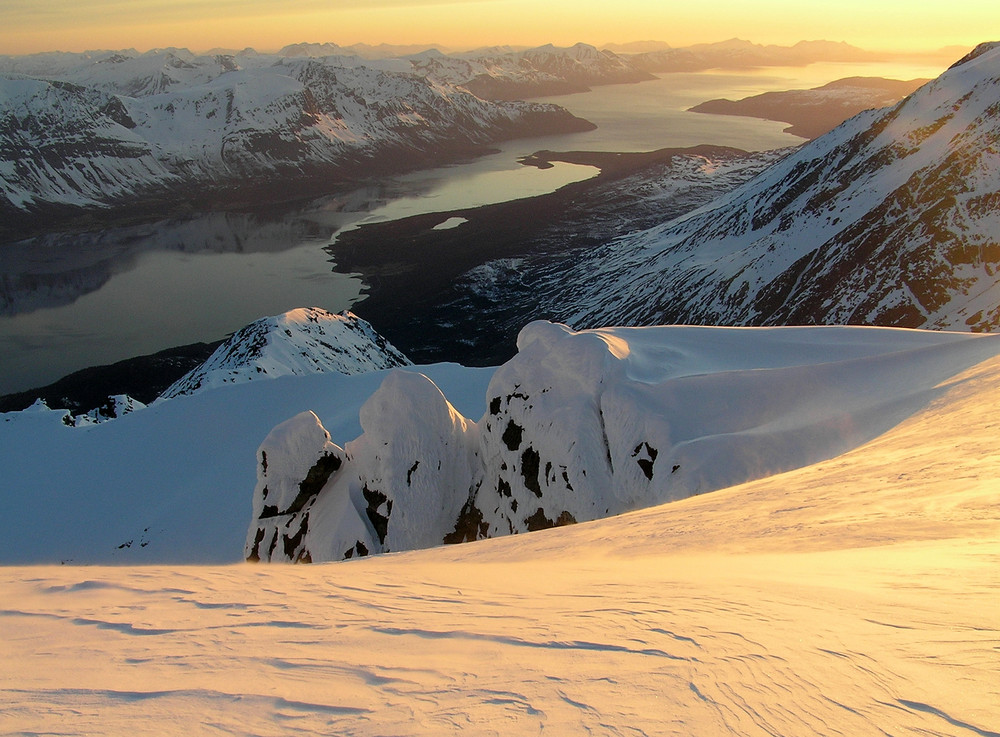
pixel 856 596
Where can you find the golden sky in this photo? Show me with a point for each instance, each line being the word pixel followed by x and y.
pixel 28 26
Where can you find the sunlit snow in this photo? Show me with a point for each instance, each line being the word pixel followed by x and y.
pixel 856 595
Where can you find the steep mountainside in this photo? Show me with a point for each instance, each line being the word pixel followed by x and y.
pixel 85 131
pixel 890 219
pixel 303 341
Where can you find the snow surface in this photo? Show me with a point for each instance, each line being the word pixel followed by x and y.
pixel 855 595
pixel 583 425
pixel 173 482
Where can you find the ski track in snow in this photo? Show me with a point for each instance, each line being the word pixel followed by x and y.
pixel 854 596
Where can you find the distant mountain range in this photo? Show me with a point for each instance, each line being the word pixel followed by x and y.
pixel 738 53
pixel 90 131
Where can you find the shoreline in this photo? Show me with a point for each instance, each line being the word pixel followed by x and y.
pixel 405 266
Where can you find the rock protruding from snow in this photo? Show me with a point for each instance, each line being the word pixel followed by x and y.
pixel 303 341
pixel 583 425
pixel 116 406
pixel 397 487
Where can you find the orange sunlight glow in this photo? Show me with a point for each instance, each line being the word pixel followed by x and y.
pixel 44 25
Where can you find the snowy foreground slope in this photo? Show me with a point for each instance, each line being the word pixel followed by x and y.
pixel 853 596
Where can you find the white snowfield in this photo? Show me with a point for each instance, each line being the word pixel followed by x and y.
pixel 856 595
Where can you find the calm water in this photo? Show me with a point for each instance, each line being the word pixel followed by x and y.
pixel 72 301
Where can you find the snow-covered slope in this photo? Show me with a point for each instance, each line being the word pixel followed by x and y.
pixel 504 74
pixel 580 426
pixel 173 482
pixel 890 219
pixel 89 130
pixel 856 596
pixel 303 341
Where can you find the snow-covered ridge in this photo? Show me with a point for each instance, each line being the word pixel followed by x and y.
pixel 857 595
pixel 116 406
pixel 83 130
pixel 583 425
pixel 889 219
pixel 302 341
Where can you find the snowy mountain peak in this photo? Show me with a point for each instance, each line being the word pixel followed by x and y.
pixel 980 49
pixel 299 342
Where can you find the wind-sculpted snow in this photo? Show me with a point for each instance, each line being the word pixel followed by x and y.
pixel 584 425
pixel 854 597
pixel 82 130
pixel 302 341
pixel 889 219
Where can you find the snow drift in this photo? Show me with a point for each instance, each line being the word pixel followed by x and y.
pixel 583 425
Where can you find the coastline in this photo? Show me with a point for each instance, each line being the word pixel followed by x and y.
pixel 410 269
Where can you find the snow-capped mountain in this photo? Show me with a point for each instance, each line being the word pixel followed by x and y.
pixel 580 426
pixel 504 74
pixel 889 219
pixel 299 342
pixel 94 130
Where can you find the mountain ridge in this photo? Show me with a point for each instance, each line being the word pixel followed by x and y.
pixel 92 133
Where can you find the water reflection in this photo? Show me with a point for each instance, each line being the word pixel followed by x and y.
pixel 68 301
pixel 71 300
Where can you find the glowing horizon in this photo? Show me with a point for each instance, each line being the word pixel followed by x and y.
pixel 31 26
